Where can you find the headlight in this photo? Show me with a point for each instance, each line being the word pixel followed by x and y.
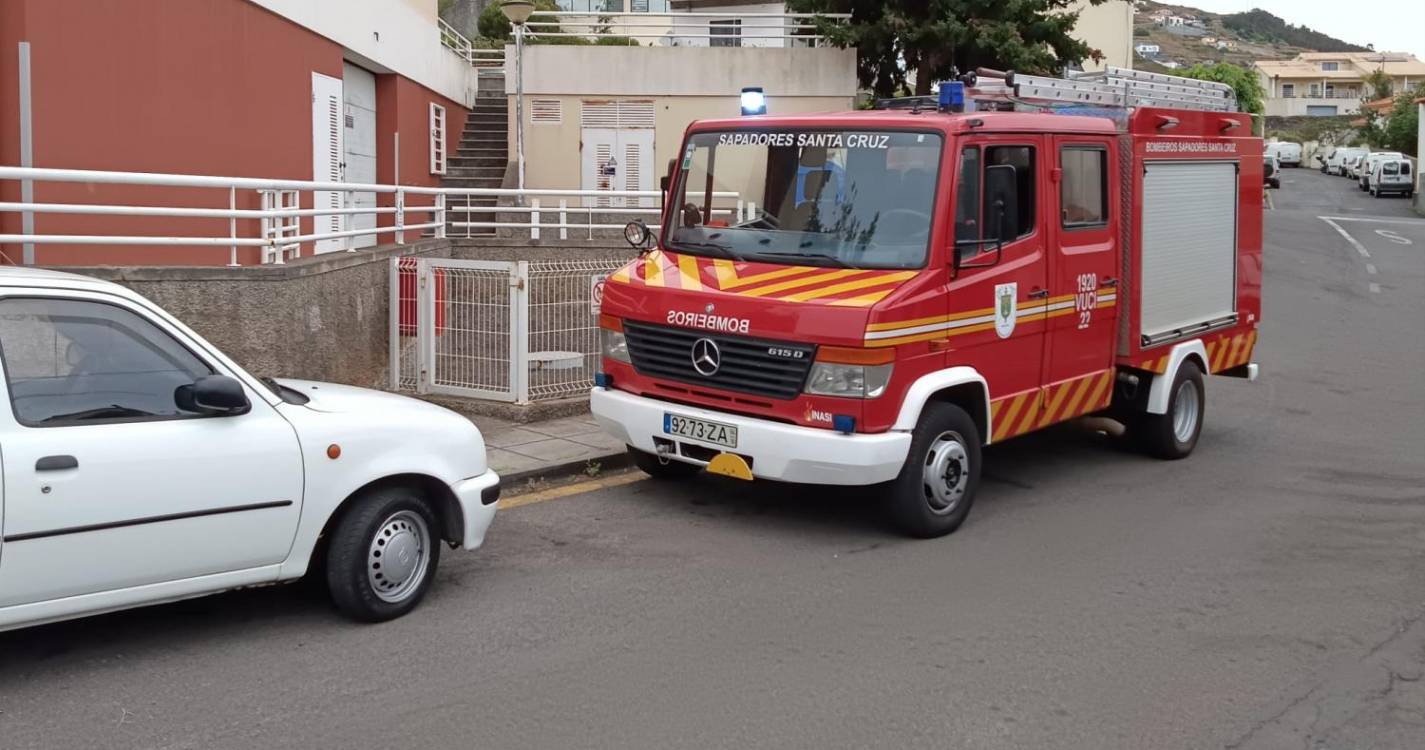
pixel 613 344
pixel 850 381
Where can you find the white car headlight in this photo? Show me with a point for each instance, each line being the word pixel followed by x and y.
pixel 849 381
pixel 613 345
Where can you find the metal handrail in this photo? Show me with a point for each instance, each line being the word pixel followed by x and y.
pixel 279 228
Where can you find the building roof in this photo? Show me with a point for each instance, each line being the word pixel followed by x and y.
pixel 1354 65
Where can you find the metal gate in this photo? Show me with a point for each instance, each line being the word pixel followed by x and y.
pixel 499 330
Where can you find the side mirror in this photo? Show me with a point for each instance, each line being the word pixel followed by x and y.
pixel 1001 214
pixel 213 395
pixel 667 178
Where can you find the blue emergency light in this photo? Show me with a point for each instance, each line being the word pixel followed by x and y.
pixel 952 96
pixel 754 102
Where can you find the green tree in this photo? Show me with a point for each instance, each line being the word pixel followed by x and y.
pixel 1403 127
pixel 931 37
pixel 493 24
pixel 1380 83
pixel 1250 95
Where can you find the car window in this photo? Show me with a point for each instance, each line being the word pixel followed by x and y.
pixel 1083 190
pixel 1022 159
pixel 79 362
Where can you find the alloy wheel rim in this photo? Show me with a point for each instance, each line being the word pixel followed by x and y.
pixel 946 473
pixel 398 557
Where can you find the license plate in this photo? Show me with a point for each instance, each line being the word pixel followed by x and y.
pixel 716 433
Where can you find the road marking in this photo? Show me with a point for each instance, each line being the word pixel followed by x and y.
pixel 554 493
pixel 1393 237
pixel 1375 288
pixel 1371 268
pixel 1270 205
pixel 1359 247
pixel 1416 222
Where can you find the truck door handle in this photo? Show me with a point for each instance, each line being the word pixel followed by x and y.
pixel 1110 282
pixel 56 463
pixel 1038 293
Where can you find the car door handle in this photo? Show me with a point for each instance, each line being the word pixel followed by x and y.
pixel 56 463
pixel 1038 293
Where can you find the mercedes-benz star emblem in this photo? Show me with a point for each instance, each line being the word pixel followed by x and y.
pixel 706 357
pixel 708 309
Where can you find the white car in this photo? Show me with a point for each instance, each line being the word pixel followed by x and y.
pixel 1366 165
pixel 141 465
pixel 1392 176
pixel 1288 154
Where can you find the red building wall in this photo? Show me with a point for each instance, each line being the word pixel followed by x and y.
pixel 212 87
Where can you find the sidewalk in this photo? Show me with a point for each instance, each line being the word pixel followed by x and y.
pixel 568 445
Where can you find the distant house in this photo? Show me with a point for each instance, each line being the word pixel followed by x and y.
pixel 1331 83
pixel 1147 50
pixel 1171 20
pixel 1170 64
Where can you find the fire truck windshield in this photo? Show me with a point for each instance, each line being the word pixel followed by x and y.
pixel 854 199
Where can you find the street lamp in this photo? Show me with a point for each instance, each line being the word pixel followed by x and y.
pixel 518 12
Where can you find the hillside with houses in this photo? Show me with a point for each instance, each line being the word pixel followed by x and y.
pixel 1167 36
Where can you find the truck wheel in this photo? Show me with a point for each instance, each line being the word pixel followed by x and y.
pixel 651 465
pixel 383 554
pixel 1174 435
pixel 936 487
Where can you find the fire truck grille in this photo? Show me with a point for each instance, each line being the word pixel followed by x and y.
pixel 774 369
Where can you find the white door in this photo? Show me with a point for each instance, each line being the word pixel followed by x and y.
pixel 359 145
pixel 326 157
pixel 617 159
pixel 108 482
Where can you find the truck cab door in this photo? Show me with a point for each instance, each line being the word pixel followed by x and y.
pixel 1084 263
pixel 1001 285
pixel 112 480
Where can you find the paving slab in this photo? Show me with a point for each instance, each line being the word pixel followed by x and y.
pixel 550 448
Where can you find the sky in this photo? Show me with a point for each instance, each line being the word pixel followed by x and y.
pixel 1391 25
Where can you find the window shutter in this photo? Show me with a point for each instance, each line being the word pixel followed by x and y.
pixel 437 139
pixel 632 167
pixel 617 114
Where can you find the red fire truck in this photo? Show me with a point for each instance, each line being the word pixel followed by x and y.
pixel 869 298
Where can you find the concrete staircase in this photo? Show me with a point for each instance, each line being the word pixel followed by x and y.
pixel 483 155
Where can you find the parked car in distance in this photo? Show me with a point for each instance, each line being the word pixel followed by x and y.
pixel 1271 171
pixel 142 465
pixel 1335 163
pixel 1288 154
pixel 1392 176
pixel 1363 170
pixel 1351 164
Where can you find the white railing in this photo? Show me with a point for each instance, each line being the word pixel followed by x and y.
pixel 730 29
pixel 541 210
pixel 479 57
pixel 280 233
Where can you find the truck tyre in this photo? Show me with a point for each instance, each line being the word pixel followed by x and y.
pixel 383 554
pixel 936 487
pixel 1173 435
pixel 651 465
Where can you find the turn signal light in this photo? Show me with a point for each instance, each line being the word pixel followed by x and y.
pixel 844 355
pixel 610 322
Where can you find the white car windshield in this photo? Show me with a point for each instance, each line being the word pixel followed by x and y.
pixel 846 198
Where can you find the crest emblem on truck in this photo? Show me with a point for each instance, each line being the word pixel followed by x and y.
pixel 706 357
pixel 1006 301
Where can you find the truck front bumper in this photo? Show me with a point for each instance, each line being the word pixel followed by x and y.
pixel 777 451
pixel 477 496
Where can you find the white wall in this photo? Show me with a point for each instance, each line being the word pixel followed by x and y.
pixel 683 71
pixel 397 36
pixel 1107 28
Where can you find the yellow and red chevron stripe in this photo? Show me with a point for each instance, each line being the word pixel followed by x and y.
pixel 843 287
pixel 982 319
pixel 1031 410
pixel 1223 353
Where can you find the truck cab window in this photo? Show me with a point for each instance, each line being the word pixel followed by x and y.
pixel 1022 159
pixel 78 362
pixel 1083 188
pixel 967 199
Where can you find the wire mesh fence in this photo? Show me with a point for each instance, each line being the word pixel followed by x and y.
pixel 502 330
pixel 563 341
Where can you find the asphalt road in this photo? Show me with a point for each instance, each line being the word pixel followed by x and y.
pixel 1267 592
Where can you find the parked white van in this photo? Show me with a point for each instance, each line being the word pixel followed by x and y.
pixel 1288 154
pixel 140 465
pixel 1392 176
pixel 1363 170
pixel 1336 163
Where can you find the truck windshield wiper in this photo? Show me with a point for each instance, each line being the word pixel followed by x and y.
pixel 716 247
pixel 816 259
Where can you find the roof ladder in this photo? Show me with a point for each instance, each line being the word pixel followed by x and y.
pixel 1113 88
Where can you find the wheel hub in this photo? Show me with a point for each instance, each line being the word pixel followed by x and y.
pixel 399 556
pixel 946 473
pixel 1185 409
